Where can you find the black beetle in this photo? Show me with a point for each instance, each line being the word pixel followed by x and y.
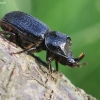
pixel 33 35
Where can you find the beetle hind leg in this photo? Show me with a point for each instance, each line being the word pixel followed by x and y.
pixel 13 37
pixel 29 50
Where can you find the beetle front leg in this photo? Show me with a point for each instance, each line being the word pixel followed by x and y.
pixel 49 64
pixel 56 63
pixel 49 59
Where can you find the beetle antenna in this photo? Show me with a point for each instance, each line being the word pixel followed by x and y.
pixel 79 64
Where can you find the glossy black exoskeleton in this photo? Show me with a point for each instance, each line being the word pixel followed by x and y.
pixel 33 36
pixel 25 30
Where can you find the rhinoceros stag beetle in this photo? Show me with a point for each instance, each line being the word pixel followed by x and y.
pixel 33 36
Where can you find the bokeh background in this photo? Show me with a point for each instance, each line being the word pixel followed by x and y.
pixel 80 19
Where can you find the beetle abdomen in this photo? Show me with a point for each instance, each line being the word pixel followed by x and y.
pixel 26 23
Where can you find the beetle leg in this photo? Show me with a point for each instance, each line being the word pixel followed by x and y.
pixel 6 32
pixel 49 64
pixel 32 49
pixel 12 37
pixel 49 59
pixel 56 63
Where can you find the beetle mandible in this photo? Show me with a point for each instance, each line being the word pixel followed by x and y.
pixel 33 36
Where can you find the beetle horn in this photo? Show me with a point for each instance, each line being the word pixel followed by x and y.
pixel 80 57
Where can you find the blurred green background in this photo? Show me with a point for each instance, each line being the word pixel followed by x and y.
pixel 80 19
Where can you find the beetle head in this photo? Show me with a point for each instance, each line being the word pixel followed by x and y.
pixel 72 62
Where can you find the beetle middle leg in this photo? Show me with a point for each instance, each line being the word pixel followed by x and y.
pixel 56 63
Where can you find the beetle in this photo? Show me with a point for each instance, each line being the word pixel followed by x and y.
pixel 33 36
